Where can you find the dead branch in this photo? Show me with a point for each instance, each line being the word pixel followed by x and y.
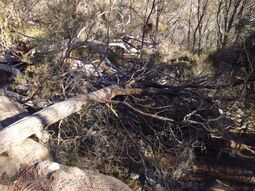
pixel 77 43
pixel 17 132
pixel 161 118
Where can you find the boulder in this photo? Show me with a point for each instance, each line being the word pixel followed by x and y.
pixel 52 176
pixel 10 111
pixel 28 153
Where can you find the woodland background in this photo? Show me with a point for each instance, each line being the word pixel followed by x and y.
pixel 194 121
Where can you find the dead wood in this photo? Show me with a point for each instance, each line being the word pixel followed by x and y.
pixel 17 132
pixel 161 118
pixel 77 43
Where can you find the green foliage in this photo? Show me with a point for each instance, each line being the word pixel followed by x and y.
pixel 42 81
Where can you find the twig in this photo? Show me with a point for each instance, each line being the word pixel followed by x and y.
pixel 161 118
pixel 77 43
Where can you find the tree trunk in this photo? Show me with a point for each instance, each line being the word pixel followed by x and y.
pixel 17 132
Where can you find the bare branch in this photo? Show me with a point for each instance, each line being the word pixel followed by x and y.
pixel 161 118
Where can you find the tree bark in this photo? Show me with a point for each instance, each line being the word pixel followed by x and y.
pixel 19 131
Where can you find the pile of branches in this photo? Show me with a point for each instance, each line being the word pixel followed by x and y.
pixel 146 123
pixel 117 105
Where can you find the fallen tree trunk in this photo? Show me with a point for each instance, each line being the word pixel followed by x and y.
pixel 19 131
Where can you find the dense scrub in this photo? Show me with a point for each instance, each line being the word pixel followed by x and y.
pixel 196 67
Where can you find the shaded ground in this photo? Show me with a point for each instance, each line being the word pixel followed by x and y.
pixel 231 158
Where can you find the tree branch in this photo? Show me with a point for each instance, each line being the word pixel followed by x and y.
pixel 161 118
pixel 17 132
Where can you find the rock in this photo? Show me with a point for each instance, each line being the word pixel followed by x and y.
pixel 52 176
pixel 4 188
pixel 28 153
pixel 10 111
pixel 9 58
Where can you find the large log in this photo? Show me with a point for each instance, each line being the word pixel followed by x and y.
pixel 19 131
